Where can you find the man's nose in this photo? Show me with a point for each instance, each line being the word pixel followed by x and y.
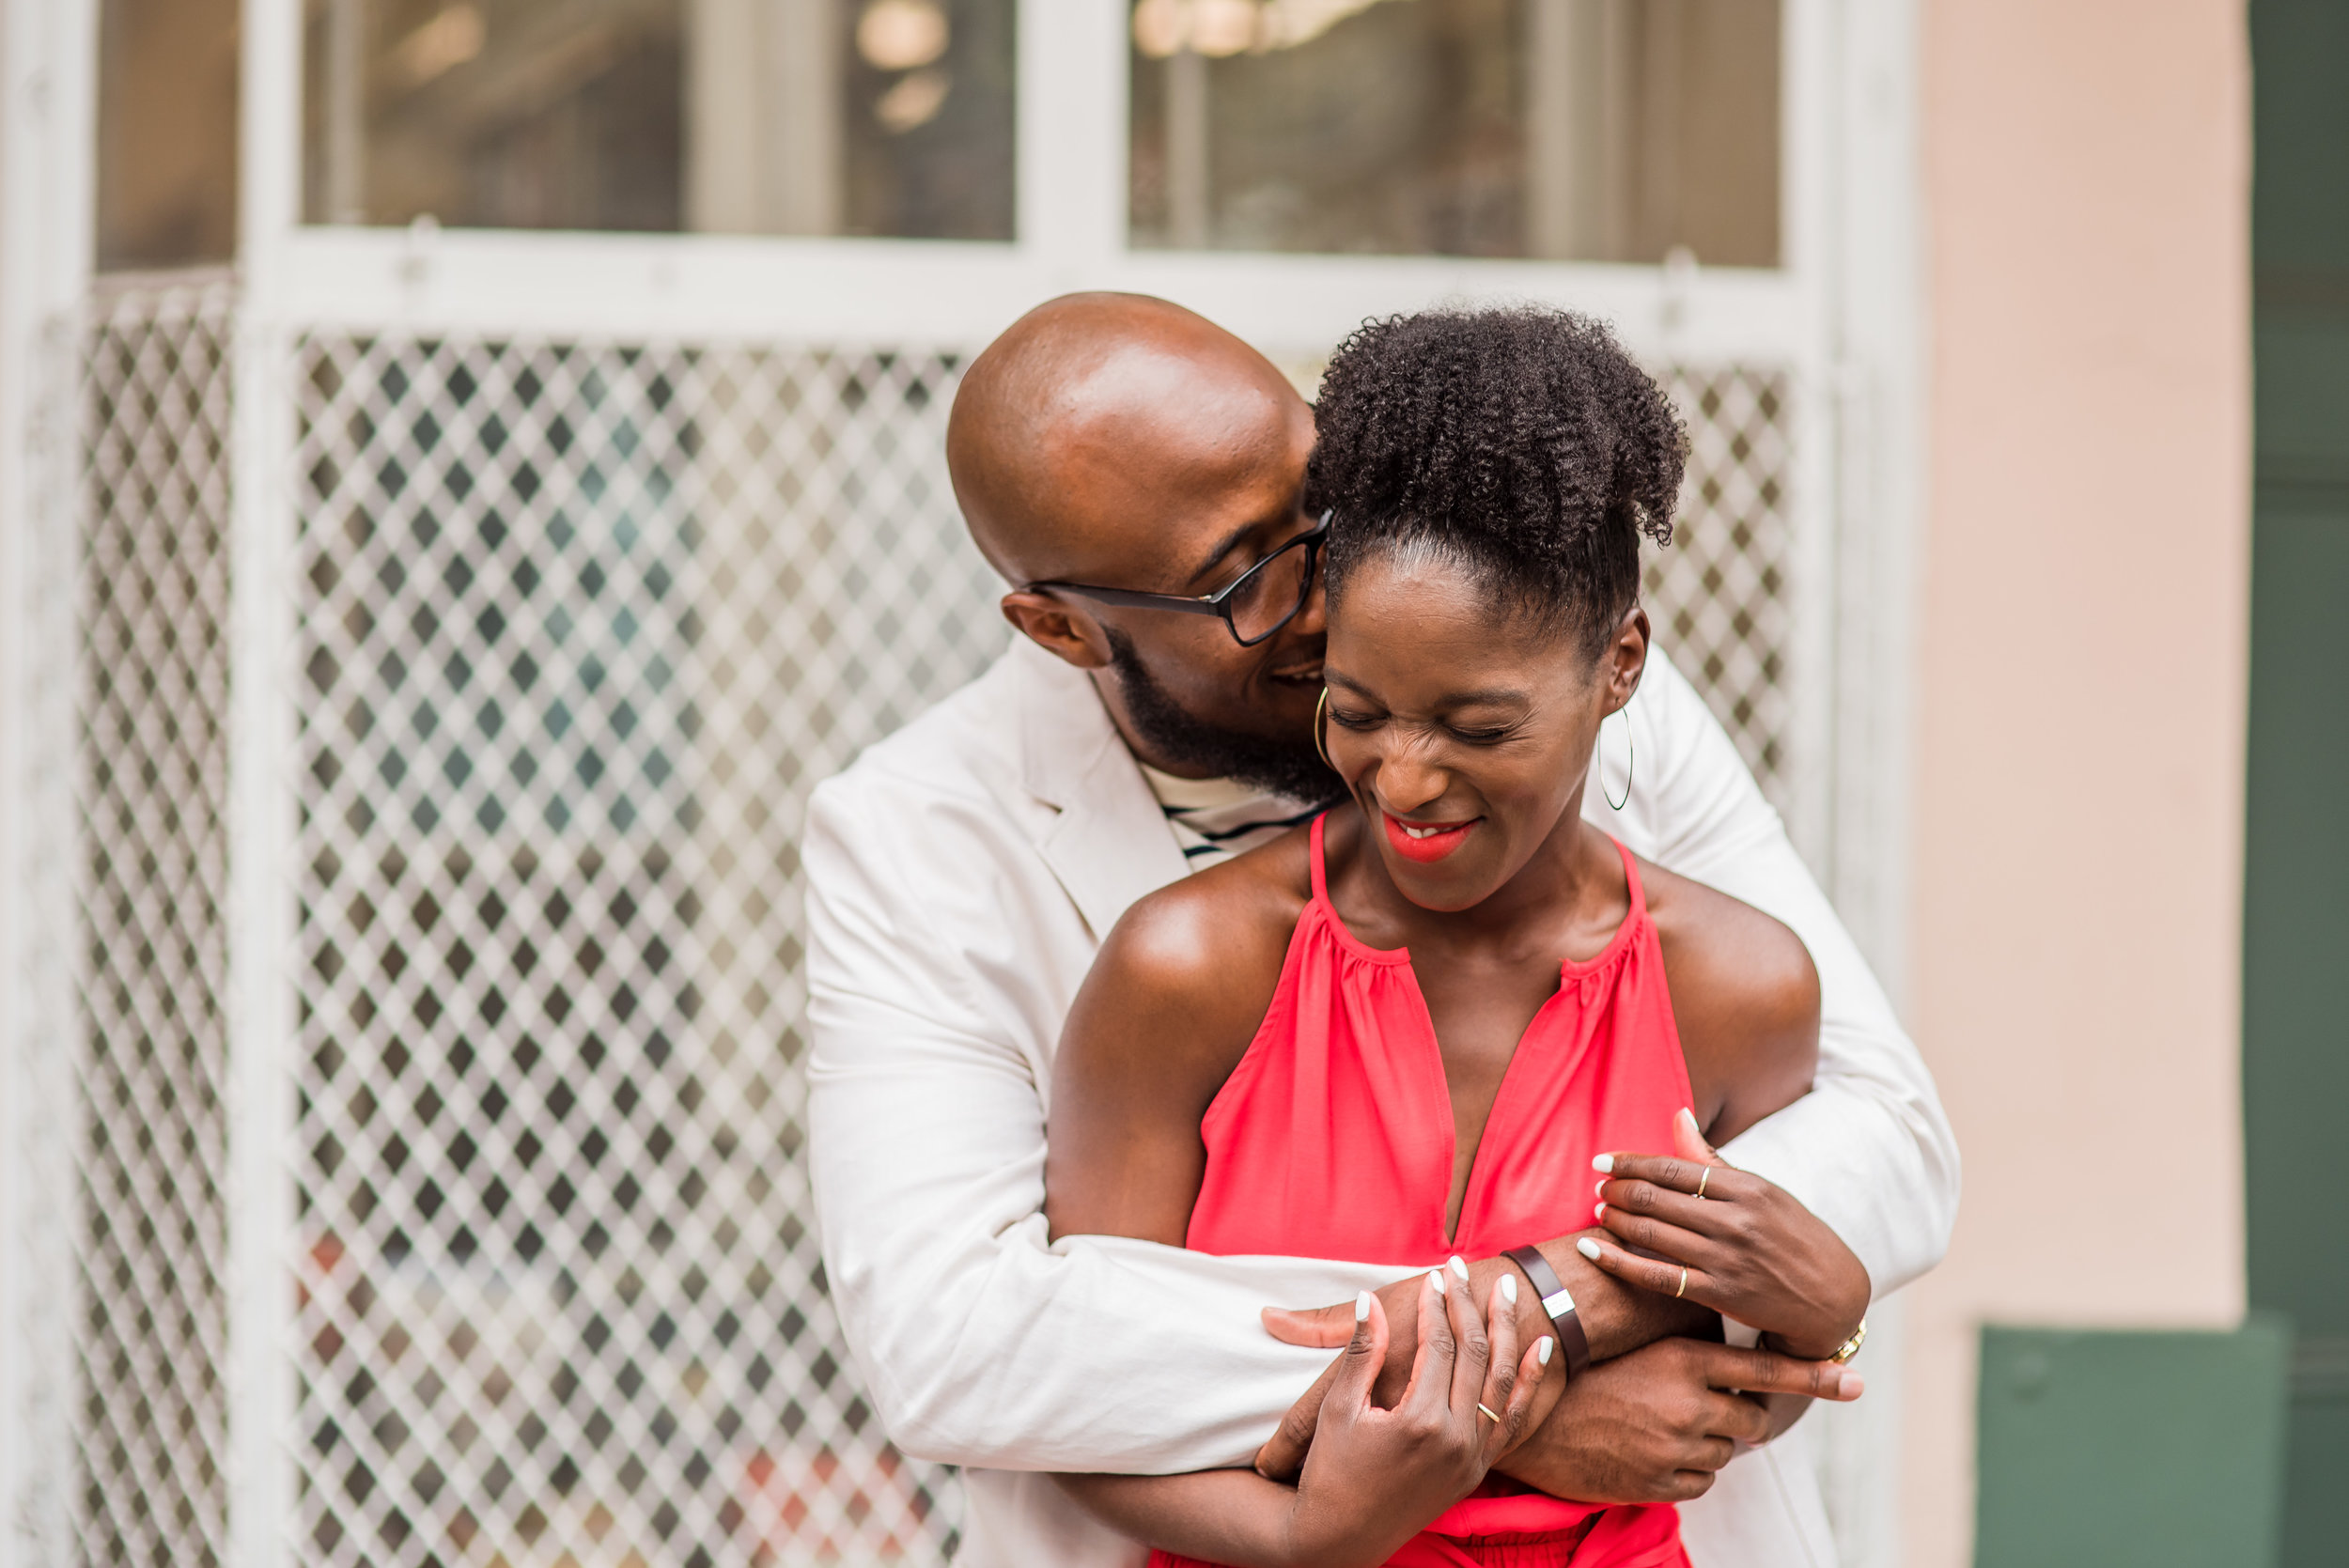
pixel 1310 622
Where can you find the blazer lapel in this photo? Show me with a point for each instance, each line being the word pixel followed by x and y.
pixel 1108 842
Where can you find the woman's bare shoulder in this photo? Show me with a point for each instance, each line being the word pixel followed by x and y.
pixel 1191 941
pixel 1175 996
pixel 1745 995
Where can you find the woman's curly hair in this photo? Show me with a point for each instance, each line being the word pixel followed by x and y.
pixel 1520 443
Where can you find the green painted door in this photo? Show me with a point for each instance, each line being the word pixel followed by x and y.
pixel 2295 927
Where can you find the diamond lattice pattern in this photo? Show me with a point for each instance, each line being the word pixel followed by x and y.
pixel 583 626
pixel 1719 597
pixel 150 1315
pixel 580 626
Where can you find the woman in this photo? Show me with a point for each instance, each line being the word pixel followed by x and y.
pixel 1411 1030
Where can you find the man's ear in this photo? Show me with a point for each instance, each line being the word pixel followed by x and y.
pixel 1057 629
pixel 1626 657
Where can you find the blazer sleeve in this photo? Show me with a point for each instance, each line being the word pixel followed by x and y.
pixel 1869 1149
pixel 978 1342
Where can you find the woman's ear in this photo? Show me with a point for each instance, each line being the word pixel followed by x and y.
pixel 1626 657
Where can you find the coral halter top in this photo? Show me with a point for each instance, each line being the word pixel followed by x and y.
pixel 1333 1138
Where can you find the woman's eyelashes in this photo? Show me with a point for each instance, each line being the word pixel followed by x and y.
pixel 1468 734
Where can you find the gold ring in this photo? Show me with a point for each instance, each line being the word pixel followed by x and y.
pixel 1488 1414
pixel 1684 1285
pixel 1706 1177
pixel 1321 729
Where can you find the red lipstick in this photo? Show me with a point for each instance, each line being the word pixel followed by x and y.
pixel 1434 846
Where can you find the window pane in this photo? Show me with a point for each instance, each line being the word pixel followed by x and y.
pixel 166 132
pixel 1593 130
pixel 748 117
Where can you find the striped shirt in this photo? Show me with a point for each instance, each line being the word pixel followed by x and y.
pixel 1214 819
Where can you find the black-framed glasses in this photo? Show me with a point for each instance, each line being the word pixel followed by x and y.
pixel 1253 605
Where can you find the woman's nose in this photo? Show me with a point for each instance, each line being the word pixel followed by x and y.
pixel 1408 778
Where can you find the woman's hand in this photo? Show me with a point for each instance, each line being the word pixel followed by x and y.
pixel 1375 1478
pixel 1729 1241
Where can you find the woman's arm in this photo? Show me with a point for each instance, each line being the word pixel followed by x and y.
pixel 1165 1014
pixel 1746 997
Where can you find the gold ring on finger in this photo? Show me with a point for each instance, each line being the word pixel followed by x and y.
pixel 1684 1285
pixel 1487 1414
pixel 1703 1176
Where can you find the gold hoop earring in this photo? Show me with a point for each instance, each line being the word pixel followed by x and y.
pixel 1321 730
pixel 1631 758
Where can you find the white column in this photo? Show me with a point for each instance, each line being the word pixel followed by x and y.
pixel 1072 138
pixel 48 122
pixel 1186 148
pixel 762 117
pixel 346 111
pixel 262 916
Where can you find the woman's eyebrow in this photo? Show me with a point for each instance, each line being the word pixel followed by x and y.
pixel 1498 696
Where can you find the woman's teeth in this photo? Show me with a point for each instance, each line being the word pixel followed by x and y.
pixel 1421 833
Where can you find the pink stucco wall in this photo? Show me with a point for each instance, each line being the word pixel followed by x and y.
pixel 2082 680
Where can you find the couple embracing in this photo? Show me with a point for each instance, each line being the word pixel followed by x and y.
pixel 1287 916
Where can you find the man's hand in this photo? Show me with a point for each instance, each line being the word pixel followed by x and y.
pixel 1616 1316
pixel 1655 1425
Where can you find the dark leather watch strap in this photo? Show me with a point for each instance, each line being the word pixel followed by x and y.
pixel 1558 1305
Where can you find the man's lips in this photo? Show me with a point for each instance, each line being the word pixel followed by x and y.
pixel 1426 842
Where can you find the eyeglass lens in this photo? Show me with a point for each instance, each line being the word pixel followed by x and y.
pixel 1263 601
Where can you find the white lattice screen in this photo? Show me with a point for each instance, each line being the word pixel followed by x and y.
pixel 579 626
pixel 149 1410
pixel 1720 597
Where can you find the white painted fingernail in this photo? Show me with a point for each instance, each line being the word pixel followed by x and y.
pixel 1601 1214
pixel 1362 1308
pixel 1604 1162
pixel 1542 1355
pixel 1599 1191
pixel 1588 1248
pixel 1690 1117
pixel 1460 1269
pixel 1509 1289
pixel 1435 1278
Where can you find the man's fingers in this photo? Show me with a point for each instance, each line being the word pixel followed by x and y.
pixel 1732 1418
pixel 1688 1485
pixel 1765 1372
pixel 1314 1327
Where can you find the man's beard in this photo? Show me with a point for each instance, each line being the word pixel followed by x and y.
pixel 1292 770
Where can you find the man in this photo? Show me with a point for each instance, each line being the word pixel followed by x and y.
pixel 1115 456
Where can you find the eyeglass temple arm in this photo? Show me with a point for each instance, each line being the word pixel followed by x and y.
pixel 1135 596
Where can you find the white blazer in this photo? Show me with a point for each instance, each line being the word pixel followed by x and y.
pixel 960 874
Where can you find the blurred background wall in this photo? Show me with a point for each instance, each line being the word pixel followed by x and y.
pixel 2082 683
pixel 468 467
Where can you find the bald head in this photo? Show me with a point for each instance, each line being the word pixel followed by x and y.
pixel 1095 414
